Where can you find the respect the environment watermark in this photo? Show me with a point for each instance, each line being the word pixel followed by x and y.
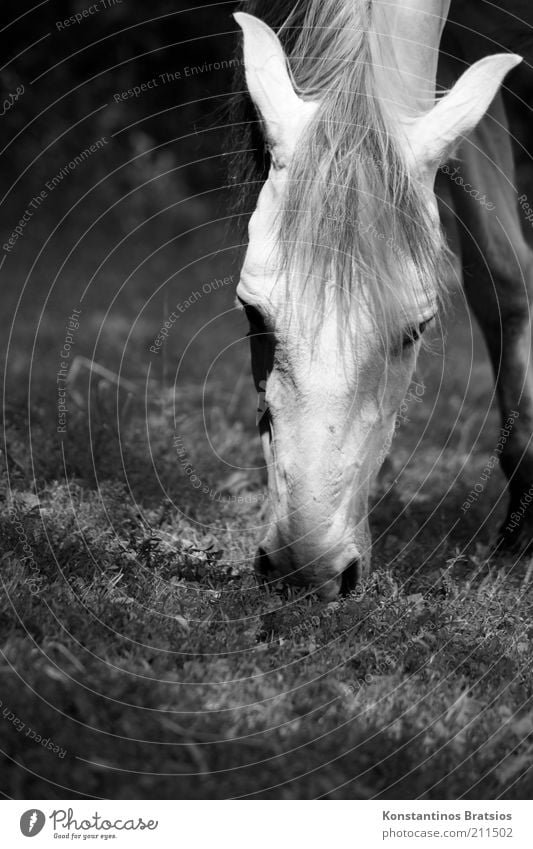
pixel 175 76
pixel 50 186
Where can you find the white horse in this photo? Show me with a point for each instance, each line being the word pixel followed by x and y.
pixel 343 270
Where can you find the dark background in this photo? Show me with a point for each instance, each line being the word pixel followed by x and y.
pixel 152 206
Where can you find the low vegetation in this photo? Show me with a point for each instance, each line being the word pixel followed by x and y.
pixel 135 640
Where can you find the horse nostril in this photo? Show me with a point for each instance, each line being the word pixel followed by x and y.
pixel 351 576
pixel 262 564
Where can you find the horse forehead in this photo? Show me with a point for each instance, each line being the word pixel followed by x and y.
pixel 318 344
pixel 328 385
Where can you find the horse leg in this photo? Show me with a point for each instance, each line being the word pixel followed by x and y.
pixel 498 279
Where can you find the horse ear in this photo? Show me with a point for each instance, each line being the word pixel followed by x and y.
pixel 435 135
pixel 269 82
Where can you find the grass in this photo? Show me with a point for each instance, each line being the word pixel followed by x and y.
pixel 134 638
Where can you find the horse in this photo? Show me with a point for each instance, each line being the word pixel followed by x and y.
pixel 359 105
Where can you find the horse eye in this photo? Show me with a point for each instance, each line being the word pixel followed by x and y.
pixel 413 334
pixel 255 319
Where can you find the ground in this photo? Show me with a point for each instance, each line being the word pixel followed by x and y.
pixel 140 659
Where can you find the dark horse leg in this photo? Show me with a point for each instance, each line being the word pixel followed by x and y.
pixel 498 279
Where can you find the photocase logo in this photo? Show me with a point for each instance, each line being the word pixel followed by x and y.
pixel 32 822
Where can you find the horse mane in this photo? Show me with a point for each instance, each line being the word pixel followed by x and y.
pixel 352 213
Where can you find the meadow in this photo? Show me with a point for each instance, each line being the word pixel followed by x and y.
pixel 135 640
